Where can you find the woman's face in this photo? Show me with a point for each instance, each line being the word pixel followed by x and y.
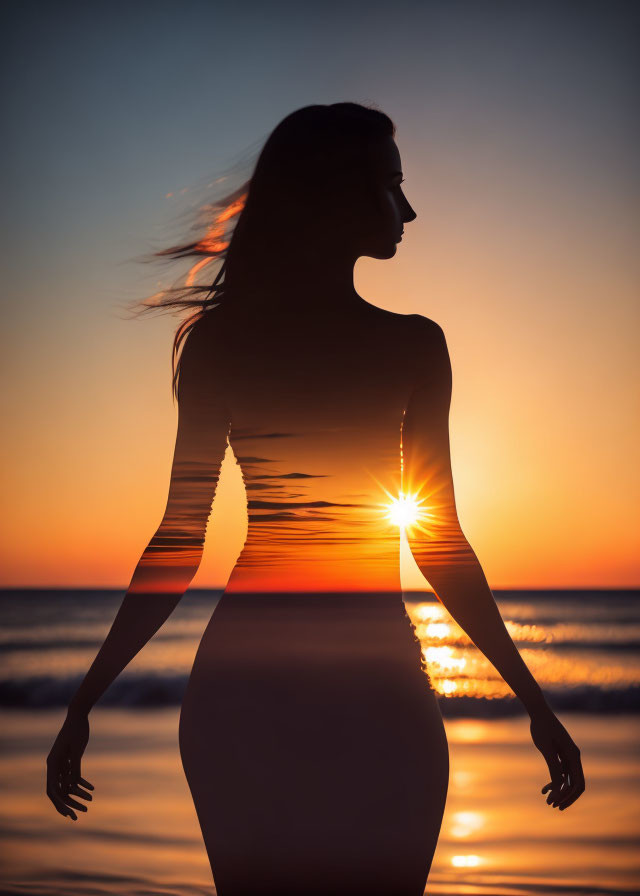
pixel 381 216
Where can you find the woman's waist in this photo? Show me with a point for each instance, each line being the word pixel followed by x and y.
pixel 307 601
pixel 299 576
pixel 312 615
pixel 302 628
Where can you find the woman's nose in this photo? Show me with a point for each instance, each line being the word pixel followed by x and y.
pixel 409 214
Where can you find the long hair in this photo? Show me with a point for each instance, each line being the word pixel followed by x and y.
pixel 306 165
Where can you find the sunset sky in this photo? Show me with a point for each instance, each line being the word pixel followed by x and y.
pixel 517 128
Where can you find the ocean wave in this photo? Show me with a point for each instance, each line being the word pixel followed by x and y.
pixel 155 691
pixel 611 645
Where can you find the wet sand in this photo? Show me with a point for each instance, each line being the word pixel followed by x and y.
pixel 141 837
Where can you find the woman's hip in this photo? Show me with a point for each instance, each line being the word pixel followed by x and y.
pixel 314 672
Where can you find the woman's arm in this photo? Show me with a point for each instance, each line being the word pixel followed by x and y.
pixel 167 565
pixel 173 555
pixel 450 565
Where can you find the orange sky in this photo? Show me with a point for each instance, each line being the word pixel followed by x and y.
pixel 524 180
pixel 542 422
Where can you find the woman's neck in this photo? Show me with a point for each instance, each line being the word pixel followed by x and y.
pixel 317 283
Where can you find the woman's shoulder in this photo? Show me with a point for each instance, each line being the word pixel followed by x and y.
pixel 415 326
pixel 425 326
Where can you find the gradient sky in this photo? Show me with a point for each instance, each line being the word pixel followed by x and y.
pixel 518 133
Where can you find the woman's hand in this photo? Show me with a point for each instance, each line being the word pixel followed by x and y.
pixel 63 766
pixel 562 757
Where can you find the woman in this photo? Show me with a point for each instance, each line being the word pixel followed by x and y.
pixel 310 736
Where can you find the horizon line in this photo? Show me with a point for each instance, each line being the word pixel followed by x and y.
pixel 124 588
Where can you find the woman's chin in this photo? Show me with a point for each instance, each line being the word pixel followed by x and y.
pixel 382 252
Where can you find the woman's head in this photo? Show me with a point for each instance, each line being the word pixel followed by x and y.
pixel 325 187
pixel 326 182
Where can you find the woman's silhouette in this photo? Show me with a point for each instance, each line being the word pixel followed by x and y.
pixel 310 736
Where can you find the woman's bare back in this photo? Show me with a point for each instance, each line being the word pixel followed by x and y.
pixel 317 408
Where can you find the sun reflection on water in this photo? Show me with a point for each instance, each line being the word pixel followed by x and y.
pixel 444 658
pixel 466 823
pixel 457 668
pixel 465 861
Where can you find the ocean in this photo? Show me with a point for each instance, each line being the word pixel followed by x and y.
pixel 499 838
pixel 582 646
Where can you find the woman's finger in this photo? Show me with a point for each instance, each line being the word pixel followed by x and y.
pixel 556 790
pixel 576 776
pixel 56 792
pixel 570 762
pixel 554 796
pixel 59 805
pixel 561 794
pixel 78 791
pixel 555 767
pixel 85 783
pixel 68 801
pixel 553 789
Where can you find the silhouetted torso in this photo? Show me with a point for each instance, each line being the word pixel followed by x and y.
pixel 310 736
pixel 316 405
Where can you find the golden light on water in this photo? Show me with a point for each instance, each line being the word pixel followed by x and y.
pixel 458 669
pixel 444 657
pixel 430 613
pixel 466 823
pixel 465 861
pixel 473 731
pixel 437 630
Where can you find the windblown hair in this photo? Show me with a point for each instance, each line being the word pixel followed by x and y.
pixel 306 164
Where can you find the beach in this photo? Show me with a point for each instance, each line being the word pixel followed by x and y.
pixel 141 836
pixel 499 837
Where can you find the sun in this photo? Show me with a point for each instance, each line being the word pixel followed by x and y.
pixel 404 510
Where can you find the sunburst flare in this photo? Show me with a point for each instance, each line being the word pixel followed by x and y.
pixel 405 510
